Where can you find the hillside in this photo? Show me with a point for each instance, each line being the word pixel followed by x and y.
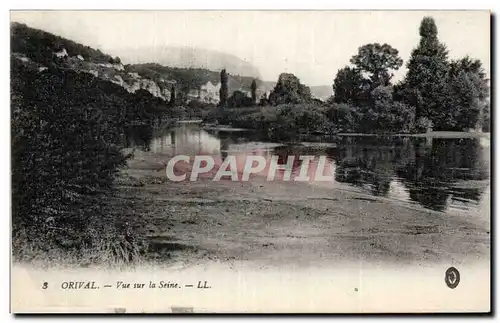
pixel 38 48
pixel 189 57
pixel 193 78
pixel 39 45
pixel 322 92
pixel 37 55
pixel 33 46
pixel 198 66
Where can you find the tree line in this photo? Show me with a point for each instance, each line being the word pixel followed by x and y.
pixel 436 93
pixel 67 131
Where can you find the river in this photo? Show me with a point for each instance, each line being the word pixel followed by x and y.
pixel 445 175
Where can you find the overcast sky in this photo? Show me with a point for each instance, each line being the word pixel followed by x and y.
pixel 311 44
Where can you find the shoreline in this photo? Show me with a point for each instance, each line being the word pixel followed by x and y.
pixel 193 223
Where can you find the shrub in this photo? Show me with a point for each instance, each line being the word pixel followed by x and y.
pixel 423 124
pixel 65 156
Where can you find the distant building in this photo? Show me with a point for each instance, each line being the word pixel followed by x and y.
pixel 107 65
pixel 93 72
pixel 210 93
pixel 246 92
pixel 193 94
pixel 62 53
pixel 134 75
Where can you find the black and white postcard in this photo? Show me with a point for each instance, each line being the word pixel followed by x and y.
pixel 250 161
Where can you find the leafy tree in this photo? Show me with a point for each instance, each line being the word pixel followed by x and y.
pixel 343 117
pixel 467 93
pixel 425 83
pixel 384 114
pixel 288 89
pixel 223 89
pixel 238 100
pixel 292 119
pixel 486 121
pixel 172 96
pixel 373 65
pixel 66 135
pixel 253 88
pixel 377 60
pixel 347 86
pixel 115 60
pixel 263 101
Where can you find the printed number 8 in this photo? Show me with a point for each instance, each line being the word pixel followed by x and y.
pixel 45 284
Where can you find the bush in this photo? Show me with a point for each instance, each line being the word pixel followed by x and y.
pixel 423 124
pixel 282 122
pixel 65 156
pixel 343 117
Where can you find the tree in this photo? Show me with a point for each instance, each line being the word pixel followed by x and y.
pixel 425 83
pixel 486 121
pixel 223 89
pixel 467 95
pixel 377 60
pixel 451 95
pixel 115 60
pixel 347 86
pixel 263 101
pixel 343 116
pixel 383 114
pixel 253 87
pixel 239 99
pixel 172 96
pixel 288 89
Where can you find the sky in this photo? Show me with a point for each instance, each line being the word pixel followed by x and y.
pixel 313 45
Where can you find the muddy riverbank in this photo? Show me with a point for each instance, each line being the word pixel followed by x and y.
pixel 274 224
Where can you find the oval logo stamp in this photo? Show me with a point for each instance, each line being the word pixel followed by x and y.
pixel 452 277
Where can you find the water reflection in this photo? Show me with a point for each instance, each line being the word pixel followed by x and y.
pixel 438 174
pixel 138 136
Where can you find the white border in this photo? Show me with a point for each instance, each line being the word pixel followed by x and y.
pixel 260 4
pixel 184 4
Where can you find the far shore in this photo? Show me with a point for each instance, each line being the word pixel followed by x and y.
pixel 430 134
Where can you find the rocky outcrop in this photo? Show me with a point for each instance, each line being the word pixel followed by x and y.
pixel 26 61
pixel 114 73
pixel 131 81
pixel 148 85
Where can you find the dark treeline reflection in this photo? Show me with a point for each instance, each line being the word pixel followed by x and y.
pixel 139 136
pixel 366 163
pixel 433 171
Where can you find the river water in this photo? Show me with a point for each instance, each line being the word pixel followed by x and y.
pixel 446 175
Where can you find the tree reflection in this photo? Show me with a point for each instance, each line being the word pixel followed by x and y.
pixel 139 136
pixel 365 163
pixel 436 176
pixel 435 172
